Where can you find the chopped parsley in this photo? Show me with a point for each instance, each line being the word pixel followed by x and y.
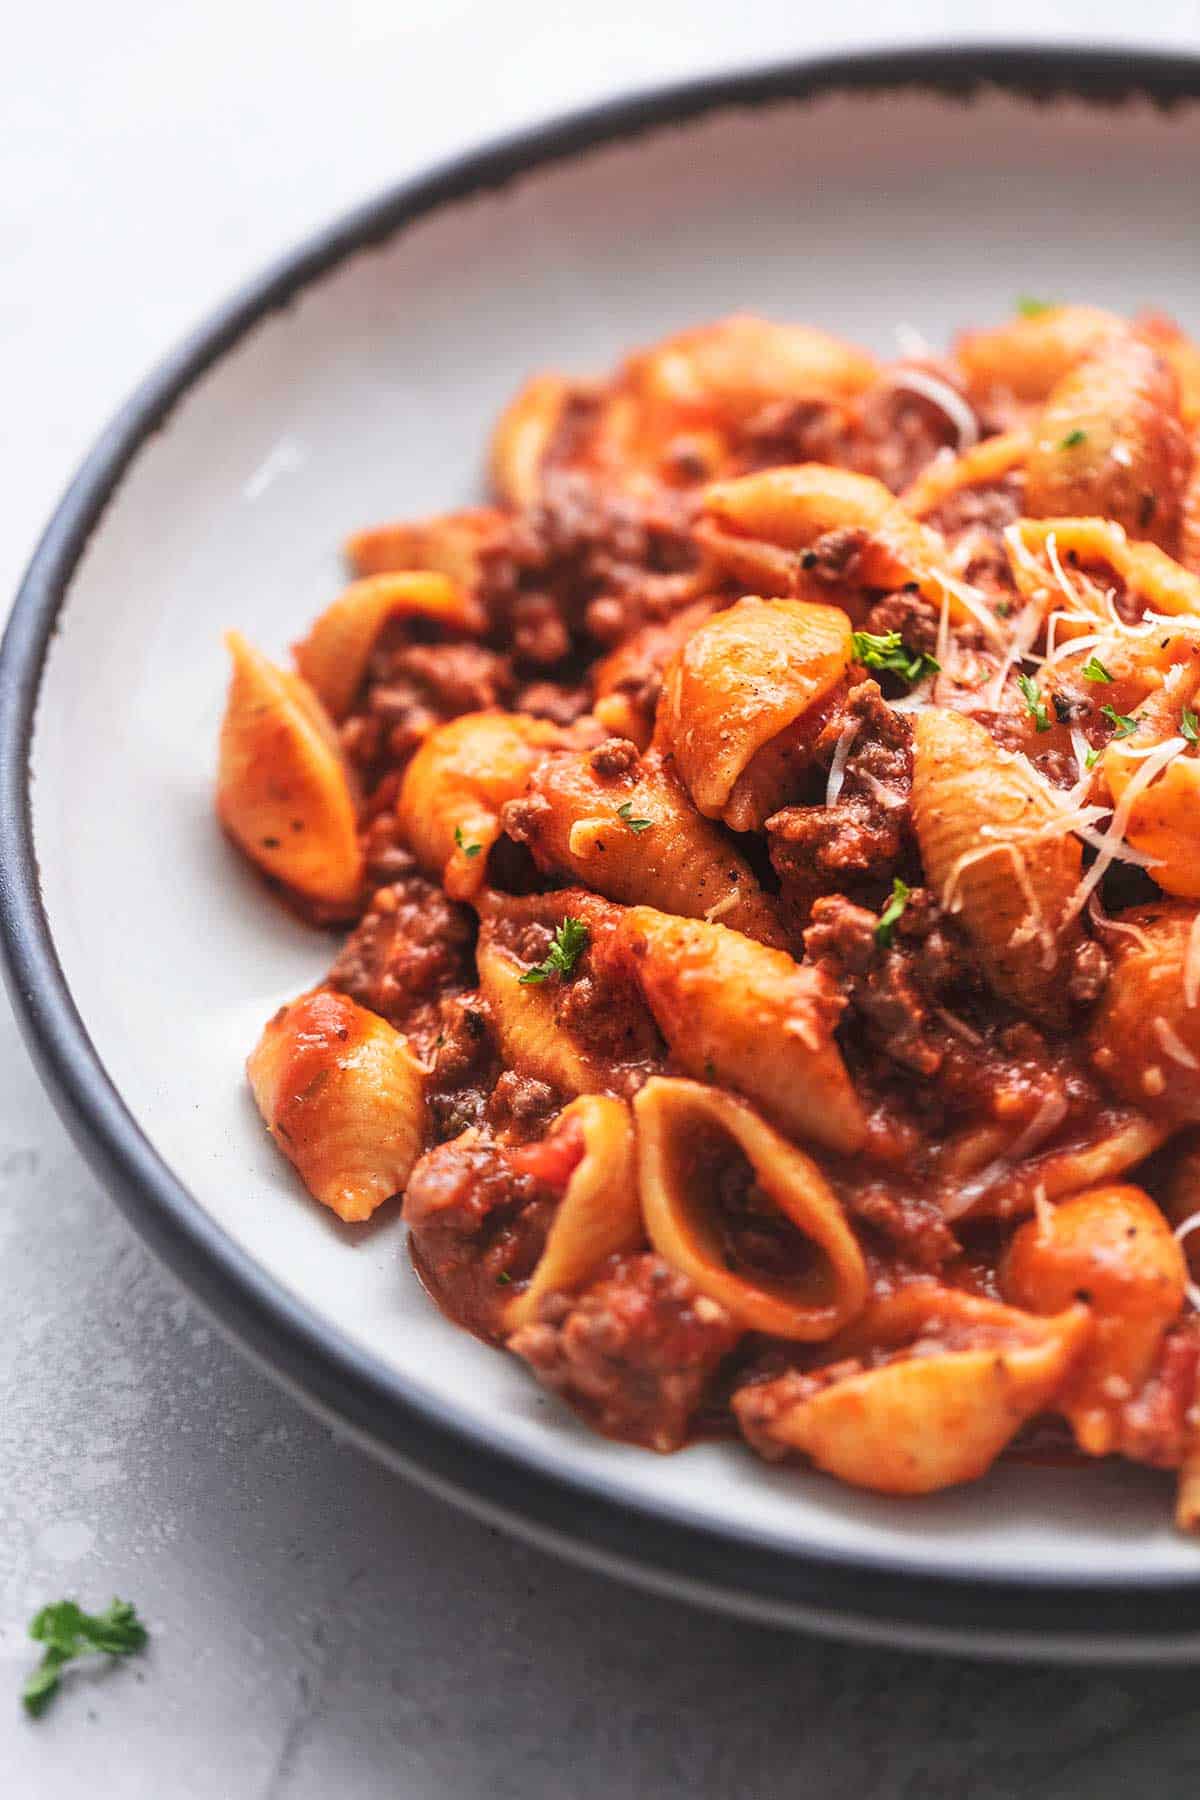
pixel 570 942
pixel 1073 439
pixel 460 840
pixel 1091 759
pixel 892 911
pixel 67 1632
pixel 1123 726
pixel 1029 308
pixel 504 1279
pixel 1034 704
pixel 635 825
pixel 1188 726
pixel 1094 670
pixel 887 650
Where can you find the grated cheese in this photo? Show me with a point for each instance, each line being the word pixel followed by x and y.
pixel 884 795
pixel 1044 1123
pixel 1103 921
pixel 1172 1044
pixel 1113 839
pixel 958 1026
pixel 1182 1231
pixel 837 768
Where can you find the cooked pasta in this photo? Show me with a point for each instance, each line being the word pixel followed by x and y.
pixel 770 837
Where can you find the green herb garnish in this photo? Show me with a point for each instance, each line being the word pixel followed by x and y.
pixel 891 912
pixel 635 825
pixel 887 650
pixel 1094 670
pixel 1073 439
pixel 1091 758
pixel 460 840
pixel 1034 704
pixel 1123 726
pixel 67 1632
pixel 1188 726
pixel 504 1279
pixel 1029 308
pixel 570 942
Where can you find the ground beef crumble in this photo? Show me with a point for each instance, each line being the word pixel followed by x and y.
pixel 635 1352
pixel 412 947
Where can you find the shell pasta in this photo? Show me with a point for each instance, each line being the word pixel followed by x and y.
pixel 767 838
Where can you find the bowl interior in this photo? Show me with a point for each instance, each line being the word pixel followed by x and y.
pixel 370 396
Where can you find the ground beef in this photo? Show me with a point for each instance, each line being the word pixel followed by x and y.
pixel 616 756
pixel 913 1225
pixel 521 1106
pixel 586 565
pixel 412 947
pixel 909 613
pixel 862 838
pixel 1088 972
pixel 992 508
pixel 464 1062
pixel 635 1352
pixel 561 703
pixel 412 688
pixel 479 1213
pixel 888 988
pixel 890 432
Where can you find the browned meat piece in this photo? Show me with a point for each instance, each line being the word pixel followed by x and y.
pixel 415 687
pixel 864 834
pixel 1155 1424
pixel 635 1352
pixel 615 756
pixel 912 615
pixel 412 946
pixel 479 1213
pixel 586 563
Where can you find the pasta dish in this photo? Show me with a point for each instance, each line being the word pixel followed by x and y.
pixel 768 837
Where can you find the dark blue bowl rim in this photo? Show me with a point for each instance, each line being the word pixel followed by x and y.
pixel 538 1495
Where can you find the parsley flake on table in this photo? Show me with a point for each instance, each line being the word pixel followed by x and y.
pixel 570 942
pixel 892 911
pixel 67 1632
pixel 1094 670
pixel 888 651
pixel 460 840
pixel 1123 726
pixel 635 825
pixel 1035 706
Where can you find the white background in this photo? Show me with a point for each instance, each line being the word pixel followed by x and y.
pixel 320 1628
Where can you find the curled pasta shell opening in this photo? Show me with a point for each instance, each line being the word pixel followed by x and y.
pixel 333 658
pixel 696 1145
pixel 599 1214
pixel 283 790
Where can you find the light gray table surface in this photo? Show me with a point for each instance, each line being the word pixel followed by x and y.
pixel 320 1627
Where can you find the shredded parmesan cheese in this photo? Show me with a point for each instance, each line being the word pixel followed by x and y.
pixel 837 768
pixel 1113 838
pixel 939 393
pixel 1181 1232
pixel 958 1026
pixel 1173 1045
pixel 884 795
pixel 1102 922
pixel 921 695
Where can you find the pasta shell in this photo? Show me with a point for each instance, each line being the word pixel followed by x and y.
pixel 581 823
pixel 689 1138
pixel 1158 806
pixel 1112 1249
pixel 453 544
pixel 982 465
pixel 741 680
pixel 786 511
pixel 343 1097
pixel 745 1015
pixel 599 1215
pixel 978 812
pixel 333 658
pixel 456 785
pixel 1101 548
pixel 1145 1032
pixel 1189 514
pixel 283 790
pixel 1110 442
pixel 953 1381
pixel 524 432
pixel 628 682
pixel 1027 356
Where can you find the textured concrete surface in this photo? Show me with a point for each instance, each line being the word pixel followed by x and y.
pixel 320 1628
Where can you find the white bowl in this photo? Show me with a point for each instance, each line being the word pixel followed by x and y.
pixel 357 382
